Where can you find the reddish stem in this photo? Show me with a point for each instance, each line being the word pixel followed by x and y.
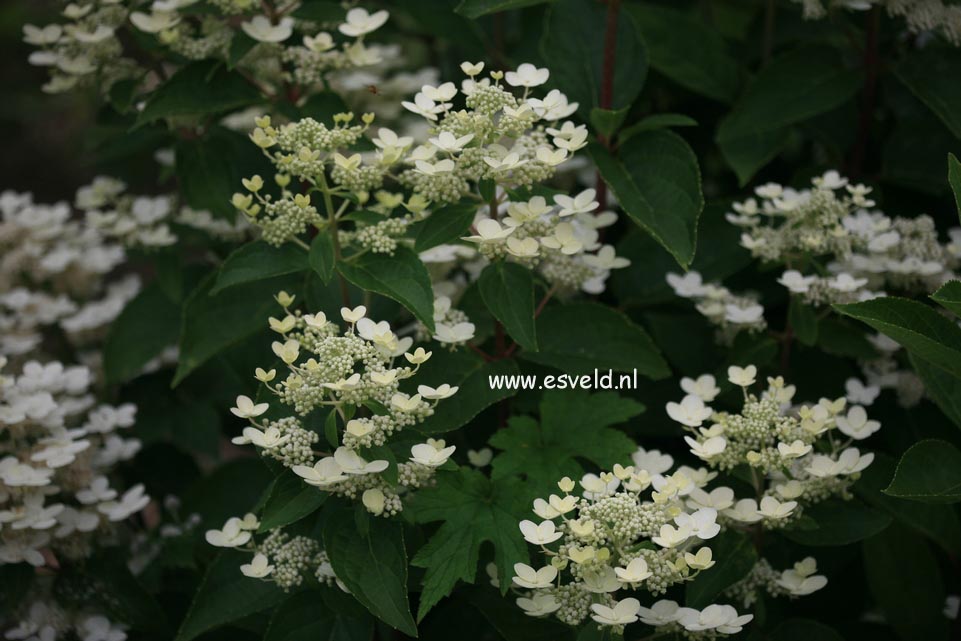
pixel 607 86
pixel 871 64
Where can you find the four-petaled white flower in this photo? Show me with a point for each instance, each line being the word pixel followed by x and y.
pixel 527 577
pixel 360 22
pixel 427 454
pixel 582 203
pixel 441 392
pixel 635 572
pixel 691 411
pixel 538 605
pixel 794 449
pixel 324 472
pixel 232 535
pixel 742 376
pixel 856 424
pixel 246 408
pixel 490 231
pixel 527 75
pixel 353 463
pixel 773 509
pixel 353 315
pixel 452 334
pixel 704 387
pixel 258 568
pixel 539 534
pixel 624 612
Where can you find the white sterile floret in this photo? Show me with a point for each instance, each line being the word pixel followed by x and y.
pixel 453 334
pixel 440 392
pixel 691 411
pixel 744 511
pixel 720 498
pixel 771 508
pixel 324 472
pixel 446 141
pixel 260 28
pixel 527 75
pixel 796 282
pixel 635 572
pixel 538 605
pixel 268 439
pixel 246 408
pixel 232 535
pixel 856 424
pixel 669 536
pixel 539 534
pixel 258 568
pixel 528 577
pixel 794 449
pixel 687 286
pixel 489 230
pixel 858 392
pixel 155 21
pixel 723 618
pixel 743 314
pixel 742 376
pixel 708 448
pixel 580 204
pixel 606 259
pixel 353 315
pixel 704 387
pixel 623 612
pixel 353 463
pixel 428 455
pixel 652 461
pixel 359 22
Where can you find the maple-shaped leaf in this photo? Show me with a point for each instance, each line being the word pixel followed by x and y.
pixel 573 425
pixel 474 509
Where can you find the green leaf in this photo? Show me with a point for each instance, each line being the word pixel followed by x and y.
pixel 508 292
pixel 322 257
pixel 211 324
pixel 240 46
pixel 938 523
pixel 320 615
pixel 607 121
pixel 945 391
pixel 511 622
pixel 443 226
pixel 289 499
pixel 657 181
pixel 924 72
pixel 804 321
pixel 735 556
pixel 259 261
pixel 574 425
pixel 954 179
pixel 147 325
pixel 905 579
pixel 839 523
pixel 474 509
pixel 915 326
pixel 477 8
pixel 401 277
pixel 804 630
pixel 226 595
pixel 794 87
pixel 198 89
pixel 686 50
pixel 949 296
pixel 578 338
pixel 840 337
pixel 209 169
pixel 573 47
pixel 656 121
pixel 930 471
pixel 373 566
pixel 476 393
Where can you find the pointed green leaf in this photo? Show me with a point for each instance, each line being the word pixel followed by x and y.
pixel 322 257
pixel 401 277
pixel 148 324
pixel 288 500
pixel 657 181
pixel 508 292
pixel 444 225
pixel 930 471
pixel 259 261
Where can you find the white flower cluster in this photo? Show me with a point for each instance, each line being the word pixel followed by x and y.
pixel 54 273
pixel 287 53
pixel 729 312
pixel 849 250
pixel 798 580
pixel 346 372
pixel 47 622
pixel 798 455
pixel 494 153
pixel 57 449
pixel 921 16
pixel 614 540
